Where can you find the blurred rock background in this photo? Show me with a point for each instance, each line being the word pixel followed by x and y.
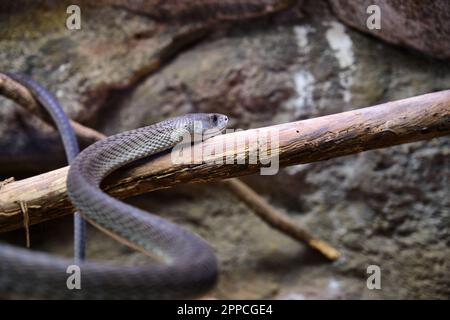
pixel 124 69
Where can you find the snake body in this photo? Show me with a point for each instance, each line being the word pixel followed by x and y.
pixel 186 266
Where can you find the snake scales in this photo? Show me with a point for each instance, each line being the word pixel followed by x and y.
pixel 186 266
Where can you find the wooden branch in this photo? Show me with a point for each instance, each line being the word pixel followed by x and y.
pixel 279 220
pixel 413 119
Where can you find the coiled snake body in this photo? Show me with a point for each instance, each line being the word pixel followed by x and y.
pixel 186 265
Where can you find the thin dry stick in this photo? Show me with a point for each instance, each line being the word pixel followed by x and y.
pixel 279 220
pixel 262 208
pixel 26 220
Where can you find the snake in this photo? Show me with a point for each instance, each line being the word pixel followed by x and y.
pixel 183 265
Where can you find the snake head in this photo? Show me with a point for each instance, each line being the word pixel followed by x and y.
pixel 207 124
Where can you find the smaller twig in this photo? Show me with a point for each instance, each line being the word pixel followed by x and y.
pixel 279 220
pixel 26 220
pixel 86 132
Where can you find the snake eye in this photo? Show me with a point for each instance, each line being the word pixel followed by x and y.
pixel 214 118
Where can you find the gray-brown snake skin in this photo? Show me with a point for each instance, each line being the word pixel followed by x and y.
pixel 187 266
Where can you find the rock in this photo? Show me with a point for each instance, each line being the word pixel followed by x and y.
pixel 189 10
pixel 421 25
pixel 112 51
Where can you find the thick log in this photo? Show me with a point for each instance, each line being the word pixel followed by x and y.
pixel 413 119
